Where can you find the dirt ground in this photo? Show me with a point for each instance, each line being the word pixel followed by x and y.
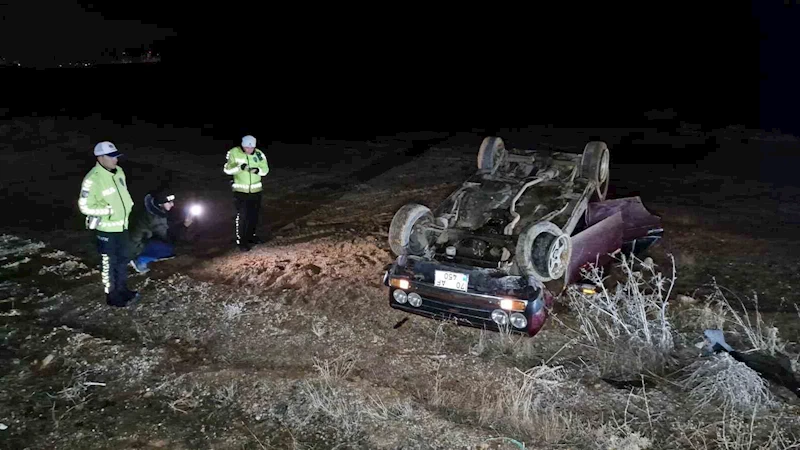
pixel 294 346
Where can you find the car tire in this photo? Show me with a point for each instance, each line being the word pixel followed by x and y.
pixel 404 238
pixel 543 251
pixel 492 153
pixel 595 167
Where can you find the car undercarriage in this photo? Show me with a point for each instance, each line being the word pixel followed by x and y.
pixel 509 229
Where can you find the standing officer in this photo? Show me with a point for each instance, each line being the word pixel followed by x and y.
pixel 247 164
pixel 105 200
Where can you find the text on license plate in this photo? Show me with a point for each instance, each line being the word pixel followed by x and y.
pixel 451 280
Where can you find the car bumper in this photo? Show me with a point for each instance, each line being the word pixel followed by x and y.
pixel 488 291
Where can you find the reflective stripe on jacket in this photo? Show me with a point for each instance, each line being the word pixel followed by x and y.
pixel 105 194
pixel 244 180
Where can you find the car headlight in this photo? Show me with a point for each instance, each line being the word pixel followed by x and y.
pixel 518 320
pixel 399 296
pixel 500 317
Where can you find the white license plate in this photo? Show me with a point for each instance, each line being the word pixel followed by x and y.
pixel 451 280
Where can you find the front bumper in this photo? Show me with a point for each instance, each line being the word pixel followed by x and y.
pixel 488 290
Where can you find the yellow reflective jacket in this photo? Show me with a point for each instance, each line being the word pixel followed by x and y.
pixel 105 194
pixel 244 180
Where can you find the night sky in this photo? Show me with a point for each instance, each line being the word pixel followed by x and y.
pixel 49 33
pixel 735 63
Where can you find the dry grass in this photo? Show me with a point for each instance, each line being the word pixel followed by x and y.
pixel 627 327
pixel 504 343
pixel 226 394
pixel 528 406
pixel 738 430
pixel 329 396
pixel 723 380
pixel 188 399
pixel 618 437
pixel 717 312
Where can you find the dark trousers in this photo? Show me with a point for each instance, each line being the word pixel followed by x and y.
pixel 114 259
pixel 248 207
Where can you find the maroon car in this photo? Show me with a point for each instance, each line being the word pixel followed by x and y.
pixel 526 218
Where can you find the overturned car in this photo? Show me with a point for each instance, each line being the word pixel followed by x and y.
pixel 524 220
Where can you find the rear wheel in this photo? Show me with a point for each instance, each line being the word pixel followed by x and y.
pixel 543 251
pixel 492 154
pixel 595 164
pixel 407 232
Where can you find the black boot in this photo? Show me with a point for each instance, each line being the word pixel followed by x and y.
pixel 115 299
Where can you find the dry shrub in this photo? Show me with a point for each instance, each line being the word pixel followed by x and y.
pixel 627 326
pixel 722 380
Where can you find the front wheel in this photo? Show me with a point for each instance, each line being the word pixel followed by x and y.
pixel 543 251
pixel 408 232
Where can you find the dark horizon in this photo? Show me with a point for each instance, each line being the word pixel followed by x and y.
pixel 713 67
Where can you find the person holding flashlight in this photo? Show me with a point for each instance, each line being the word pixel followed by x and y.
pixel 152 237
pixel 247 165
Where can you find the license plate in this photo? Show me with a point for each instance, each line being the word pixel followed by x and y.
pixel 451 280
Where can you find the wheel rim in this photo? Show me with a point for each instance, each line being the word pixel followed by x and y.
pixel 557 256
pixel 497 156
pixel 603 175
pixel 418 240
pixel 496 160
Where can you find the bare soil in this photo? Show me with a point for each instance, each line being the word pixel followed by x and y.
pixel 294 345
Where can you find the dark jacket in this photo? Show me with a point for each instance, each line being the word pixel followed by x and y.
pixel 148 223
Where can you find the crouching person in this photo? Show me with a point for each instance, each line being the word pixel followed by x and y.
pixel 152 237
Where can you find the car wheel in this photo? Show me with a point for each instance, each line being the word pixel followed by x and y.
pixel 491 154
pixel 543 251
pixel 407 234
pixel 595 164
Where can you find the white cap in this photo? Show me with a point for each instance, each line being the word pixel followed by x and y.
pixel 106 148
pixel 248 141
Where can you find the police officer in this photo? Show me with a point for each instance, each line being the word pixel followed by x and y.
pixel 105 200
pixel 247 164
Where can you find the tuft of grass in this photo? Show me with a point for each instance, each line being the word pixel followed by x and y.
pixel 225 395
pixel 618 436
pixel 329 396
pixel 504 343
pixel 529 406
pixel 188 399
pixel 233 310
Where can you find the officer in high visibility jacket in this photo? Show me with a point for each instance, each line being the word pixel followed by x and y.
pixel 247 164
pixel 105 200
